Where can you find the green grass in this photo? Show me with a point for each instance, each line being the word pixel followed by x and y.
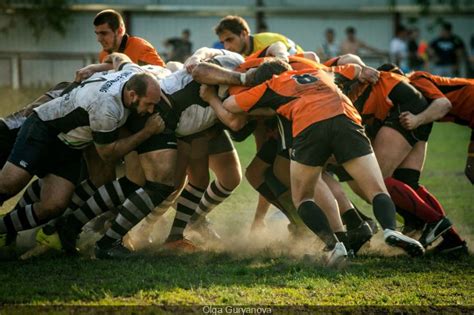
pixel 268 271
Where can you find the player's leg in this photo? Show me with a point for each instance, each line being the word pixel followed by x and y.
pixel 224 162
pixel 158 187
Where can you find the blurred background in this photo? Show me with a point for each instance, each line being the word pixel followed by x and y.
pixel 44 42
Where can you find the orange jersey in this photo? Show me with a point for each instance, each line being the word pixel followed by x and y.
pixel 297 62
pixel 138 50
pixel 304 97
pixel 372 100
pixel 459 91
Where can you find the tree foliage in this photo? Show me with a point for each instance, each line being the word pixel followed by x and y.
pixel 40 16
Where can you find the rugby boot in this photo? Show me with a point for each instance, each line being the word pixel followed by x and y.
pixel 116 250
pixel 359 236
pixel 410 246
pixel 432 231
pixel 337 256
pixel 451 249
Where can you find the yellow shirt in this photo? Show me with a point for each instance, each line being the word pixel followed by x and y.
pixel 263 40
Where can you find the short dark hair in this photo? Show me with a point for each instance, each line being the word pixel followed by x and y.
pixel 399 29
pixel 268 68
pixel 350 30
pixel 329 30
pixel 391 67
pixel 447 26
pixel 139 83
pixel 233 23
pixel 111 17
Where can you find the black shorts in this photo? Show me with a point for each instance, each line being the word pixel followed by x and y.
pixel 157 142
pixel 339 171
pixel 406 98
pixel 286 134
pixel 220 143
pixel 270 150
pixel 338 135
pixel 7 140
pixel 218 139
pixel 39 151
pixel 164 140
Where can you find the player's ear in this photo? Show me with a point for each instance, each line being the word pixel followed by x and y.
pixel 121 30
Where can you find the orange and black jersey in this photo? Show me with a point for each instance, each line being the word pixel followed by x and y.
pixel 343 74
pixel 138 50
pixel 303 97
pixel 372 101
pixel 459 91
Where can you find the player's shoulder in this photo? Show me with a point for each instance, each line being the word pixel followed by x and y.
pixel 134 40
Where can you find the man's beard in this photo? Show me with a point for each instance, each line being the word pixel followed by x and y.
pixel 114 45
pixel 134 106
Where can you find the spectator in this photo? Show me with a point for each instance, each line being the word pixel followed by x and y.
pixel 470 62
pixel 329 49
pixel 181 47
pixel 399 48
pixel 446 51
pixel 417 57
pixel 353 45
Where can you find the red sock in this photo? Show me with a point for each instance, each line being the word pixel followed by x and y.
pixel 430 199
pixel 406 198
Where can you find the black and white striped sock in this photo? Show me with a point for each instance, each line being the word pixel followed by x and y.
pixel 19 219
pixel 136 207
pixel 187 205
pixel 106 198
pixel 215 194
pixel 31 195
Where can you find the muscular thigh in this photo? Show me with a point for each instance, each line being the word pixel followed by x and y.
pixel 160 165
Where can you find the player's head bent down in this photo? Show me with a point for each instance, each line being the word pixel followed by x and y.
pixel 266 70
pixel 142 92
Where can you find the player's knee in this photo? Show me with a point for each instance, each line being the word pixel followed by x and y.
pixel 158 192
pixel 50 208
pixel 232 179
pixel 254 175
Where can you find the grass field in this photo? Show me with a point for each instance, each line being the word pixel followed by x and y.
pixel 265 270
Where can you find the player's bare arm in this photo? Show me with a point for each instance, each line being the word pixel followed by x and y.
pixel 436 110
pixel 117 149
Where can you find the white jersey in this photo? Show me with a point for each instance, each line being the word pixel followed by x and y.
pixel 194 114
pixel 91 112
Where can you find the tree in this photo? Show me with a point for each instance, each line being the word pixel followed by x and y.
pixel 40 15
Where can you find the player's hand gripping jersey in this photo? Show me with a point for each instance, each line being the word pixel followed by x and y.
pixel 372 100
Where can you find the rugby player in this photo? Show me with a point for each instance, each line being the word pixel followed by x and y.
pixel 289 94
pixel 49 142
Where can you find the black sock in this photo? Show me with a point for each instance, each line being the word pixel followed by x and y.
pixel 266 192
pixel 316 221
pixel 408 176
pixel 384 211
pixel 351 219
pixel 342 237
pixel 361 214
